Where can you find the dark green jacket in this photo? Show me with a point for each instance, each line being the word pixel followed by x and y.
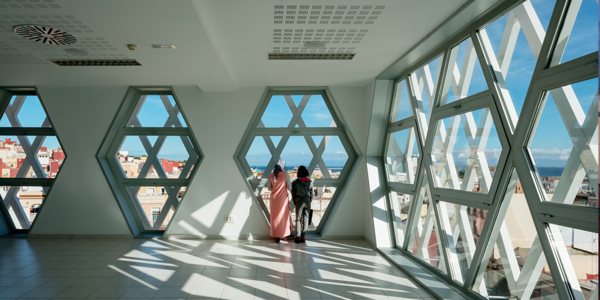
pixel 302 191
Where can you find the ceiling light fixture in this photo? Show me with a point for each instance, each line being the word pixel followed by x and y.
pixel 163 46
pixel 315 45
pixel 45 35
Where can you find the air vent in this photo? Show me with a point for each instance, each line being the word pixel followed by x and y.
pixel 95 62
pixel 343 56
pixel 45 35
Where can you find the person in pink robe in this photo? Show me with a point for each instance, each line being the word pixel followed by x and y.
pixel 281 218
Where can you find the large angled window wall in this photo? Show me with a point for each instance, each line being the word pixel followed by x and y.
pixel 150 156
pixel 302 127
pixel 30 157
pixel 498 195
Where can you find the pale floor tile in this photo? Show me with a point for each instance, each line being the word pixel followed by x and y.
pixel 180 269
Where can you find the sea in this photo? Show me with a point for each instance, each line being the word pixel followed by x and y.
pixel 550 171
pixel 330 168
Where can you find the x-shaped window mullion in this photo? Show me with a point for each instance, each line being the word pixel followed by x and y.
pixel 172 202
pixel 446 164
pixel 424 80
pixel 523 16
pixel 405 156
pixel 462 78
pixel 316 152
pixel 173 111
pixel 477 137
pixel 582 157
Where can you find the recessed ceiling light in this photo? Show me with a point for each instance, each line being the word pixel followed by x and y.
pixel 163 46
pixel 76 52
pixel 315 45
pixel 45 35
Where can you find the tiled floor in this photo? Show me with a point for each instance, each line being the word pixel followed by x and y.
pixel 192 269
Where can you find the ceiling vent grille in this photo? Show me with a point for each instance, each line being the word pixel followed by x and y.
pixel 329 56
pixel 95 62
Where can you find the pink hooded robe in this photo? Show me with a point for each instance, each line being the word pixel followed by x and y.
pixel 281 219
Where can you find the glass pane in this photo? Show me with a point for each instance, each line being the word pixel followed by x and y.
pixel 156 203
pixel 156 111
pixel 564 146
pixel 278 113
pixel 316 114
pixel 23 203
pixel 402 108
pixel 334 158
pixel 514 50
pixel 576 37
pixel 296 153
pixel 173 159
pixel 424 241
pixel 258 156
pixel 465 152
pixel 516 257
pixel 401 204
pixel 24 111
pixel 424 82
pixel 297 111
pixel 16 163
pixel 402 156
pixel 465 77
pixel 581 261
pixel 462 229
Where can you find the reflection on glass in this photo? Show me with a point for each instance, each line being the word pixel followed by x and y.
pixel 402 156
pixel 465 152
pixel 23 203
pixel 401 205
pixel 424 83
pixel 464 76
pixel 516 261
pixel 424 243
pixel 138 157
pixel 24 111
pixel 15 162
pixel 462 226
pixel 156 111
pixel 402 108
pixel 513 49
pixel 581 263
pixel 156 203
pixel 575 36
pixel 564 145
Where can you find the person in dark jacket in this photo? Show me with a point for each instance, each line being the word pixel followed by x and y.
pixel 302 194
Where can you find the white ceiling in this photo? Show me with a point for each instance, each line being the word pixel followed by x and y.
pixel 221 45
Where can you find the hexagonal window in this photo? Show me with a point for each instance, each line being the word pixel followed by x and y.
pixel 151 167
pixel 465 152
pixel 564 146
pixel 302 129
pixel 35 157
pixel 402 156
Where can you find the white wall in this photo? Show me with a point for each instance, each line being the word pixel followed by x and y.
pixel 81 201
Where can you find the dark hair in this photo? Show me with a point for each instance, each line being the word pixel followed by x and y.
pixel 302 172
